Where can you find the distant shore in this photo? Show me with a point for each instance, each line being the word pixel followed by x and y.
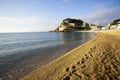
pixel 99 58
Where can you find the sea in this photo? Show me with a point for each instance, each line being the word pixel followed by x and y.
pixel 21 53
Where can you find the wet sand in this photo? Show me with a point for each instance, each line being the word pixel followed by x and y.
pixel 98 59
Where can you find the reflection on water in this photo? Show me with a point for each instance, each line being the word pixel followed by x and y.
pixel 66 37
pixel 12 43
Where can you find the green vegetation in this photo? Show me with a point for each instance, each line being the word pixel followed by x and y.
pixel 76 21
pixel 69 25
pixel 115 22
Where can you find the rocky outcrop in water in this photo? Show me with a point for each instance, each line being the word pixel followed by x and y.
pixel 69 25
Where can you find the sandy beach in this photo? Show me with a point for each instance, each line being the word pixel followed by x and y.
pixel 97 59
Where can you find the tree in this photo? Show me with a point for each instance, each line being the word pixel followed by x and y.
pixel 76 21
pixel 87 27
pixel 116 22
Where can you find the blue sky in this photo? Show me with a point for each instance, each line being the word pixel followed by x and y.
pixel 45 15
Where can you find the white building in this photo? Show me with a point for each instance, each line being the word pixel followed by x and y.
pixel 118 27
pixel 103 28
pixel 113 27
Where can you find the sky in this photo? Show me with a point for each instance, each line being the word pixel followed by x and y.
pixel 45 15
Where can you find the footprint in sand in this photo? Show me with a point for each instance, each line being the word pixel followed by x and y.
pixel 73 67
pixel 87 57
pixel 85 54
pixel 90 54
pixel 91 49
pixel 83 66
pixel 78 62
pixel 67 69
pixel 79 77
pixel 66 78
pixel 70 72
pixel 82 61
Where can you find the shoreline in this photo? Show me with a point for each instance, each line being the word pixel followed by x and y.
pixel 34 59
pixel 84 61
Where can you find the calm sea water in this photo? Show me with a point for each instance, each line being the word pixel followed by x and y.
pixel 22 52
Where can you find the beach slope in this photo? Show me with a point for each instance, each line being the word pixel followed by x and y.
pixel 98 59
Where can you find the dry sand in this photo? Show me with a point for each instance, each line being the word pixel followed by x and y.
pixel 98 59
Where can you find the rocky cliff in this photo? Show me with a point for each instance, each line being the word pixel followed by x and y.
pixel 68 25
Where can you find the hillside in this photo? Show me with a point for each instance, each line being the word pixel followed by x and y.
pixel 115 22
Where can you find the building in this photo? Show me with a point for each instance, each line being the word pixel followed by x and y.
pixel 118 27
pixel 103 28
pixel 113 27
pixel 108 26
pixel 93 26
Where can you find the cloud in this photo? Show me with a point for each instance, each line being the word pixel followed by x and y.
pixel 27 24
pixel 15 20
pixel 102 16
